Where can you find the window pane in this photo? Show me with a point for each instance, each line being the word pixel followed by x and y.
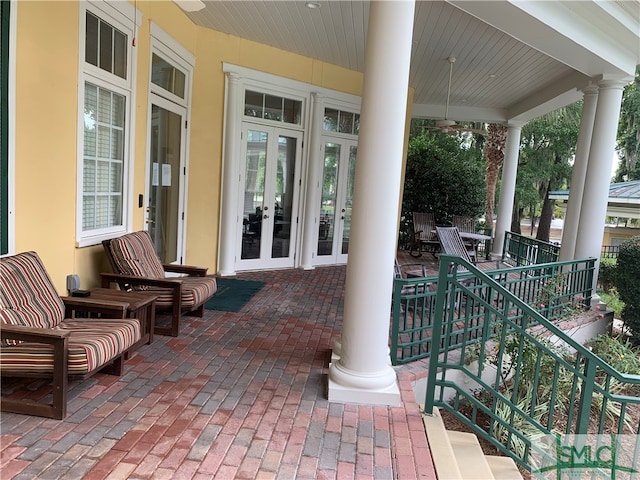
pixel 160 71
pixel 120 54
pixel 115 209
pixel 102 211
pixel 104 145
pixel 89 176
pixel 103 164
pixel 330 120
pixel 179 83
pixel 102 177
pixel 253 104
pixel 104 106
pixel 91 40
pixel 115 177
pixel 356 124
pixel 346 122
pixel 88 212
pixel 106 47
pixel 117 144
pixel 117 110
pixel 273 108
pixel 292 111
pixel 90 114
pixel 167 76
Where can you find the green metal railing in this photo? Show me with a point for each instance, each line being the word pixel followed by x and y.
pixel 521 250
pixel 610 251
pixel 555 290
pixel 525 385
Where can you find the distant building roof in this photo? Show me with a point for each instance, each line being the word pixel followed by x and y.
pixel 624 199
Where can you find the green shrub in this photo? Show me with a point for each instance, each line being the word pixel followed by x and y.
pixel 441 177
pixel 627 281
pixel 607 273
pixel 612 299
pixel 617 352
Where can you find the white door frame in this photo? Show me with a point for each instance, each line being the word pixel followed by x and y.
pixel 265 260
pixel 337 257
pixel 170 106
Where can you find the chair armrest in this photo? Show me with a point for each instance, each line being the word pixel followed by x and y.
pixel 188 269
pixel 30 334
pixel 107 308
pixel 108 278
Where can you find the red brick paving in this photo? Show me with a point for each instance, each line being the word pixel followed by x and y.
pixel 236 395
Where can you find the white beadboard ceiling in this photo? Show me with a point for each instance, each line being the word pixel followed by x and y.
pixel 514 60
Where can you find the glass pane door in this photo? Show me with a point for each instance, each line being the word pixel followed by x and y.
pixel 253 198
pixel 348 201
pixel 283 198
pixel 269 197
pixel 334 225
pixel 326 225
pixel 164 219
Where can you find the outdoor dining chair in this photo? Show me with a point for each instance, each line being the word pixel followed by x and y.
pixel 423 234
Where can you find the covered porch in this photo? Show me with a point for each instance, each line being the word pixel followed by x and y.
pixel 237 395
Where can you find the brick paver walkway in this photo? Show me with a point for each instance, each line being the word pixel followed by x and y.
pixel 236 395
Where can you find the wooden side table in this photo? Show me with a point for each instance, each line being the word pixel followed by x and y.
pixel 140 305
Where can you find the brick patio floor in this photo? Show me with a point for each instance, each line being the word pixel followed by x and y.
pixel 236 395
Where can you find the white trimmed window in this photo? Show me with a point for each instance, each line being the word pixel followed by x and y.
pixel 106 98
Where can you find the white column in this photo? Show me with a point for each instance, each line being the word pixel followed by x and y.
pixel 507 188
pixel 228 207
pixel 314 174
pixel 596 186
pixel 363 373
pixel 578 174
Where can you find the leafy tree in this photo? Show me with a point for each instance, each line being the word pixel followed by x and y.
pixel 443 176
pixel 629 133
pixel 547 145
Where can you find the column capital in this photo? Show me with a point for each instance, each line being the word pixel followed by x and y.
pixel 591 89
pixel 515 124
pixel 608 82
pixel 233 77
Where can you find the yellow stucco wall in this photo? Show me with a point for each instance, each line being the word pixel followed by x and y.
pixel 613 235
pixel 47 49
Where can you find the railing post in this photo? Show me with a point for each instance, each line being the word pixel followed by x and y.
pixel 436 334
pixel 586 397
pixel 395 320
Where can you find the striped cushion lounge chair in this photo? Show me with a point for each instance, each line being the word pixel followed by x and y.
pixel 39 337
pixel 136 266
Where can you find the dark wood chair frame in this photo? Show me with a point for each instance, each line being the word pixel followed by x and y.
pixel 127 282
pixel 423 236
pixel 57 409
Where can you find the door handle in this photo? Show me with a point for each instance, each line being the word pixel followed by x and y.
pixel 148 220
pixel 266 216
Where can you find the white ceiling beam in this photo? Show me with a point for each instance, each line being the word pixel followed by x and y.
pixel 560 30
pixel 559 94
pixel 459 113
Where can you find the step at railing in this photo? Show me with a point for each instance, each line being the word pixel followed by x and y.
pixel 458 455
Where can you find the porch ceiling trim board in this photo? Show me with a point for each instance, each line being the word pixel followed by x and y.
pixel 516 60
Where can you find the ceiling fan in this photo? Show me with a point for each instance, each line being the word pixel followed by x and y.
pixel 445 125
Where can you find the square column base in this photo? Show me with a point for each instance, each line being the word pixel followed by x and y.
pixel 389 396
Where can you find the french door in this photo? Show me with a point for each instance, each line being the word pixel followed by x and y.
pixel 334 227
pixel 165 207
pixel 269 195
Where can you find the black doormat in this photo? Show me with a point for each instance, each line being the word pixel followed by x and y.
pixel 233 294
